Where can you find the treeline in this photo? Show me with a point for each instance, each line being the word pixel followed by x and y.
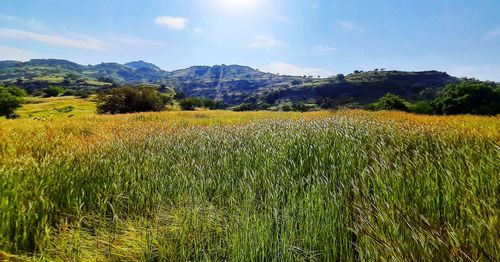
pixel 467 97
pixel 130 99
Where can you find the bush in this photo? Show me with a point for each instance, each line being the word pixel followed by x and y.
pixel 9 101
pixel 244 107
pixel 389 102
pixel 190 103
pixel 15 91
pixel 469 97
pixel 422 107
pixel 82 93
pixel 69 92
pixel 129 100
pixel 53 91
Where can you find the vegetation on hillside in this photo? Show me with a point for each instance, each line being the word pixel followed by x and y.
pixel 471 97
pixel 253 186
pixel 230 84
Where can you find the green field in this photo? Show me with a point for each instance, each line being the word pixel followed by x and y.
pixel 255 186
pixel 56 107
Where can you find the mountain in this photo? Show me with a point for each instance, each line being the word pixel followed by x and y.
pixel 142 65
pixel 230 83
pixel 233 84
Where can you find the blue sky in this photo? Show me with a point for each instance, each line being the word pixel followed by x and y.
pixel 316 37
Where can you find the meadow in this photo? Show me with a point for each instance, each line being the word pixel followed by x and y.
pixel 250 186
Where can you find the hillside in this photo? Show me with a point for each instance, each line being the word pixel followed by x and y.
pixel 360 88
pixel 233 84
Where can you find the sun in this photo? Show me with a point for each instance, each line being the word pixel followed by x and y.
pixel 238 6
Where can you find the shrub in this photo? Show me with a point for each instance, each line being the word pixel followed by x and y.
pixel 469 97
pixel 422 107
pixel 244 107
pixel 190 103
pixel 82 93
pixel 53 91
pixel 129 100
pixel 389 102
pixel 69 92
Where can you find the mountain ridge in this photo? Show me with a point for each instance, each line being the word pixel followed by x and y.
pixel 233 84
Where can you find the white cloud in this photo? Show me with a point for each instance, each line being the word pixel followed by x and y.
pixel 492 34
pixel 351 26
pixel 172 23
pixel 14 53
pixel 82 42
pixel 266 41
pixel 289 69
pixel 136 41
pixel 324 49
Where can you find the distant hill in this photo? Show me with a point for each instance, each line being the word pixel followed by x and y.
pixel 361 88
pixel 233 84
pixel 230 83
pixel 143 65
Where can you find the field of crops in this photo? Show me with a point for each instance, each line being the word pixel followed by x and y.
pixel 255 186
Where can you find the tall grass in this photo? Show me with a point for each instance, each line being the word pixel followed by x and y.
pixel 251 186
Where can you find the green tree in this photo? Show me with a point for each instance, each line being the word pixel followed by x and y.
pixel 468 97
pixel 129 100
pixel 389 102
pixel 9 101
pixel 190 103
pixel 53 91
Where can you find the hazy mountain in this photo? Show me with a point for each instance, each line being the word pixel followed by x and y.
pixel 233 84
pixel 142 65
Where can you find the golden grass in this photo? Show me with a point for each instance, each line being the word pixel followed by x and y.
pixel 221 185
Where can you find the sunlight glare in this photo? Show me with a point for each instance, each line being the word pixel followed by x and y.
pixel 237 6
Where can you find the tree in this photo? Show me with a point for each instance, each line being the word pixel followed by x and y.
pixel 10 100
pixel 129 100
pixel 389 102
pixel 190 103
pixel 53 91
pixel 105 79
pixel 468 97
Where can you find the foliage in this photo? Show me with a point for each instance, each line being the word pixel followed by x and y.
pixel 190 103
pixel 422 107
pixel 244 107
pixel 389 102
pixel 469 97
pixel 69 92
pixel 53 91
pixel 130 100
pixel 253 186
pixel 15 91
pixel 301 107
pixel 10 100
pixel 82 93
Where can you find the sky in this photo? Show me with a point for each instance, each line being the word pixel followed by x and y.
pixel 295 37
